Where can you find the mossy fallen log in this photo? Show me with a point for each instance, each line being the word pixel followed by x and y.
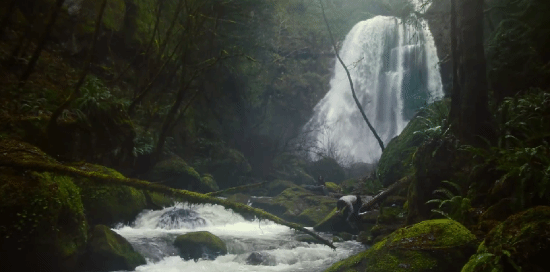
pixel 237 189
pixel 384 194
pixel 31 158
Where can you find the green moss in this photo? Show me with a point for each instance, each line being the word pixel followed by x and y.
pixel 209 183
pixel 391 215
pixel 109 251
pixel 395 161
pixel 332 187
pixel 350 185
pixel 176 173
pixel 42 214
pixel 161 200
pixel 276 187
pixel 522 240
pixel 109 204
pixel 434 245
pixel 195 244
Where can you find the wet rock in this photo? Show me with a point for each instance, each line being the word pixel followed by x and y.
pixel 107 204
pixel 177 218
pixel 201 244
pixel 108 251
pixel 176 173
pixel 439 245
pixel 43 226
pixel 520 243
pixel 297 205
pixel 260 258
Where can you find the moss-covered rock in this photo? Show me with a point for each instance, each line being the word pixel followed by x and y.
pixel 299 205
pixel 395 162
pixel 208 184
pixel 176 173
pixel 434 245
pixel 201 244
pixel 106 204
pixel 332 187
pixel 391 215
pixel 329 169
pixel 108 251
pixel 43 225
pixel 520 243
pixel 229 166
pixel 276 187
pixel 349 186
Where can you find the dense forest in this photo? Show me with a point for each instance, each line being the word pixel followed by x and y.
pixel 128 127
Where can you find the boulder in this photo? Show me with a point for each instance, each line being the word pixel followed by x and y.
pixel 434 245
pixel 107 204
pixel 201 244
pixel 260 258
pixel 176 173
pixel 43 227
pixel 177 218
pixel 108 251
pixel 520 243
pixel 297 205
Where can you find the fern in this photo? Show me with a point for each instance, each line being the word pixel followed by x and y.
pixel 451 205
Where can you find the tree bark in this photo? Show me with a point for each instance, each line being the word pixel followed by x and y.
pixel 383 195
pixel 87 63
pixel 380 142
pixel 7 17
pixel 41 44
pixel 474 117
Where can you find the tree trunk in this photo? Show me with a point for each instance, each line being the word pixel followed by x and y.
pixel 350 81
pixel 474 124
pixel 7 17
pixel 475 118
pixel 52 125
pixel 41 44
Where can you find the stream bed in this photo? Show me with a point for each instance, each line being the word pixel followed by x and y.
pixel 279 247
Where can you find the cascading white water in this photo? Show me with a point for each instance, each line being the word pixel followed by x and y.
pixel 394 69
pixel 153 233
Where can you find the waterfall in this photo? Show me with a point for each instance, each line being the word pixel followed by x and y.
pixel 395 70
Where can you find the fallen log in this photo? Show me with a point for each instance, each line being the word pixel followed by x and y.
pixel 384 194
pixel 38 161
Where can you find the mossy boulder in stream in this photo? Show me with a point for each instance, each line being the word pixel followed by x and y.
pixel 434 245
pixel 109 204
pixel 43 227
pixel 201 244
pixel 520 243
pixel 108 251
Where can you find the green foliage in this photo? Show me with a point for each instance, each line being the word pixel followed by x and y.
pixel 434 120
pixel 452 205
pixel 523 151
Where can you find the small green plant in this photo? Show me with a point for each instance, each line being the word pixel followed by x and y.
pixel 452 205
pixel 434 118
pixel 523 151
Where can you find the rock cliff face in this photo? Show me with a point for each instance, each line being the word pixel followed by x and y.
pixel 438 16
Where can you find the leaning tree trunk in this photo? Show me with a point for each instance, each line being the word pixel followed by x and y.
pixel 380 142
